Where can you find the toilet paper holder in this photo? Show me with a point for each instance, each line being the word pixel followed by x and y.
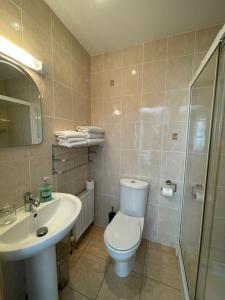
pixel 169 183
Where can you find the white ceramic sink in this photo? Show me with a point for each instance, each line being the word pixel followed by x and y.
pixel 19 241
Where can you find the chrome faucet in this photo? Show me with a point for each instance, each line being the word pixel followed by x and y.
pixel 30 202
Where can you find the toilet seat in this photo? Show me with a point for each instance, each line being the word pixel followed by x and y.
pixel 123 233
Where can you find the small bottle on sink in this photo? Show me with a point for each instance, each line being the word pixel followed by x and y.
pixel 45 191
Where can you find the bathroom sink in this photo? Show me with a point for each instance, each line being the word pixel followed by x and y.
pixel 20 241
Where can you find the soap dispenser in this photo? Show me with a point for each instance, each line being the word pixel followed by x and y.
pixel 45 191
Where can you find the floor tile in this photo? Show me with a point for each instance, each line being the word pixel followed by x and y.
pixel 161 248
pixel 161 266
pixel 140 258
pixel 114 287
pixel 70 294
pixel 153 290
pixel 78 250
pixel 87 274
pixel 97 247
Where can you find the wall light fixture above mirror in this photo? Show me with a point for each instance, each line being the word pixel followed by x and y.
pixel 11 51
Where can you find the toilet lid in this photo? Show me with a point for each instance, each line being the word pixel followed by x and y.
pixel 123 233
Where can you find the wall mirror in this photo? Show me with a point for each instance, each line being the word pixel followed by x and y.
pixel 20 106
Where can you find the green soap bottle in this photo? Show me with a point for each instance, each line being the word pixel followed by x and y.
pixel 45 191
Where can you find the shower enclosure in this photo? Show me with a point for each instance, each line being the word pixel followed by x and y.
pixel 202 233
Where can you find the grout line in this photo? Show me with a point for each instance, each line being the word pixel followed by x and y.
pixel 74 290
pixel 163 283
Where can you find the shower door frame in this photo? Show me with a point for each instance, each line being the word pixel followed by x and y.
pixel 216 43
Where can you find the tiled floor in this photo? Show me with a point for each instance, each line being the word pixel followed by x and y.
pixel 155 275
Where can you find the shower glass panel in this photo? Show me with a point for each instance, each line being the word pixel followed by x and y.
pixel 200 116
pixel 211 274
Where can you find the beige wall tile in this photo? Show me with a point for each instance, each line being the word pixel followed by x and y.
pixel 61 34
pixel 10 22
pixel 130 135
pixel 112 83
pixel 13 153
pixel 112 109
pixel 151 135
pixel 97 63
pixel 39 12
pixel 38 171
pixel 47 101
pixel 62 65
pixel 131 108
pixel 179 72
pixel 156 50
pixel 154 76
pixel 150 164
pixel 132 80
pixel 152 106
pixel 111 184
pixel 205 37
pixel 112 135
pixel 97 85
pixel 129 162
pixel 97 111
pixel 133 55
pixel 15 181
pixel 80 78
pixel 63 124
pixel 180 45
pixel 171 144
pixel 176 105
pixel 112 160
pixel 81 108
pixel 172 166
pixel 113 60
pixel 168 232
pixel 63 101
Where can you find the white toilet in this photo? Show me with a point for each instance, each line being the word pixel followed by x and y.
pixel 123 235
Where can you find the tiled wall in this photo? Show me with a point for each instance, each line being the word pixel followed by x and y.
pixel 139 95
pixel 31 25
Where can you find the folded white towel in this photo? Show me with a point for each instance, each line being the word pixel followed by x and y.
pixel 91 135
pixel 93 129
pixel 69 133
pixel 75 144
pixel 70 140
pixel 94 141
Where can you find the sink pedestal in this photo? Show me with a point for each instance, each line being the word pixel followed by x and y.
pixel 41 276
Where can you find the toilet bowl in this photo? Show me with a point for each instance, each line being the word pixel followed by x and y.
pixel 123 235
pixel 122 238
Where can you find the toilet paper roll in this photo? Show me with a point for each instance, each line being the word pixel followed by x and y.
pixel 167 191
pixel 90 184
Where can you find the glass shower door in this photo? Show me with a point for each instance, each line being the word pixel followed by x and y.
pixel 200 120
pixel 211 274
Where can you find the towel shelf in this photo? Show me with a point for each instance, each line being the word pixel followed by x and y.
pixel 73 159
pixel 54 172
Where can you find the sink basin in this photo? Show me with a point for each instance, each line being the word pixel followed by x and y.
pixel 19 241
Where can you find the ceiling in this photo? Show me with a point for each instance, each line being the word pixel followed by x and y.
pixel 106 25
